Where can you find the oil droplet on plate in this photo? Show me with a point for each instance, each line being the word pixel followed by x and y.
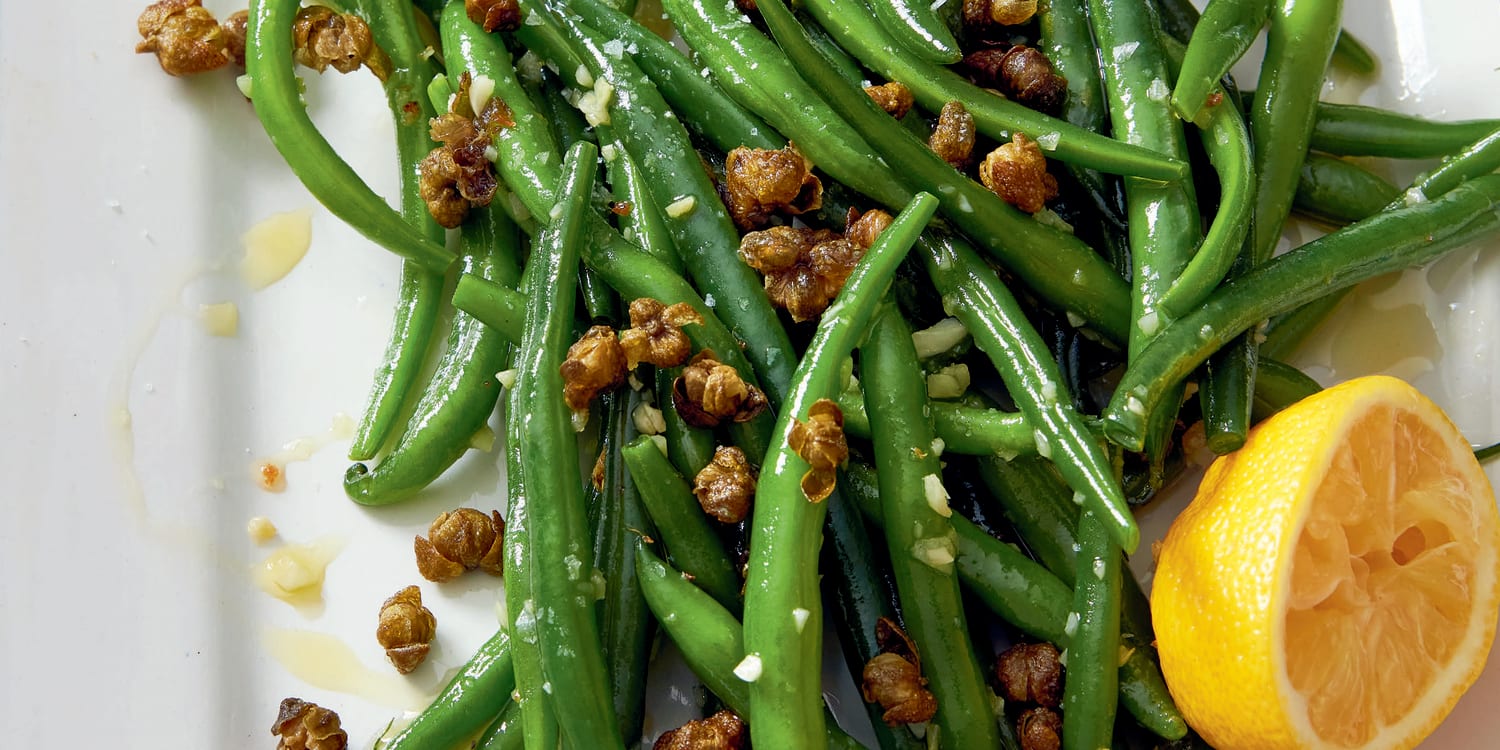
pixel 294 573
pixel 324 661
pixel 220 319
pixel 270 472
pixel 275 246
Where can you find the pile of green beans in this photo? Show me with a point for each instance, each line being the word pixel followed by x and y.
pixel 1166 270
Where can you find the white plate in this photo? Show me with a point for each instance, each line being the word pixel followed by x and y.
pixel 127 615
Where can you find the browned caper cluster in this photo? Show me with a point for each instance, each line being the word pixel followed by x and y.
pixel 804 268
pixel 722 731
pixel 236 28
pixel 893 678
pixel 1033 673
pixel 709 392
pixel 821 443
pixel 301 725
pixel 595 363
pixel 864 228
pixel 953 136
pixel 726 485
pixel 1021 73
pixel 655 334
pixel 406 629
pixel 185 37
pixel 460 540
pixel 459 174
pixel 1017 172
pixel 1039 729
pixel 600 360
pixel 980 13
pixel 759 183
pixel 893 97
pixel 323 38
pixel 494 15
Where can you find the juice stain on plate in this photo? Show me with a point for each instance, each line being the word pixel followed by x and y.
pixel 324 661
pixel 275 246
pixel 294 573
pixel 270 471
pixel 1384 326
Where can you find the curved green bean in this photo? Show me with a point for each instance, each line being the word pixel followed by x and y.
pixel 1388 241
pixel 1227 143
pixel 462 392
pixel 278 105
pixel 786 528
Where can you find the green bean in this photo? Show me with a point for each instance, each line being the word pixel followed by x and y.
pixel 1388 241
pixel 851 24
pixel 462 392
pixel 1354 130
pixel 617 517
pixel 538 718
pixel 703 106
pixel 965 430
pixel 711 640
pixel 918 534
pixel 1340 192
pixel 1178 18
pixel 278 105
pixel 857 581
pixel 1061 268
pixel 1037 502
pixel 848 68
pixel 1093 654
pixel 917 28
pixel 1067 40
pixel 1478 158
pixel 420 289
pixel 1227 143
pixel 1484 454
pixel 691 543
pixel 1030 597
pixel 1001 329
pixel 528 162
pixel 1163 223
pixel 700 225
pixel 1298 46
pixel 504 733
pixel 527 155
pixel 1285 332
pixel 786 528
pixel 757 75
pixel 496 306
pixel 562 605
pixel 1229 27
pixel 1351 53
pixel 476 694
pixel 642 222
pixel 1279 385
